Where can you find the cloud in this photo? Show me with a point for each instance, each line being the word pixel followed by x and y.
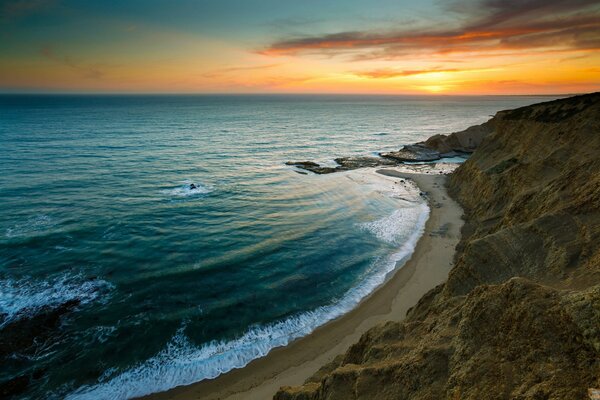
pixel 490 26
pixel 228 70
pixel 89 71
pixel 250 68
pixel 387 73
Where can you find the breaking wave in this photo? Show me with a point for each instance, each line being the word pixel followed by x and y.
pixel 182 363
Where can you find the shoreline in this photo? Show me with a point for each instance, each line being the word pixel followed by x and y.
pixel 290 365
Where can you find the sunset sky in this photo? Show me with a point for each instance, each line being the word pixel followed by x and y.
pixel 308 46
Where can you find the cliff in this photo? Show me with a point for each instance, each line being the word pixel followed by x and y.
pixel 519 316
pixel 464 141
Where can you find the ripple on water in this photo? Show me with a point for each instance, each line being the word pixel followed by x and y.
pixel 182 362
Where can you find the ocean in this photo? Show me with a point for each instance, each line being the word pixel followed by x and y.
pixel 159 285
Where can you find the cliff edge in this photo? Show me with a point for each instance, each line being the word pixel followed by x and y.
pixel 519 317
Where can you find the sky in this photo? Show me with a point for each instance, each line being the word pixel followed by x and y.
pixel 300 46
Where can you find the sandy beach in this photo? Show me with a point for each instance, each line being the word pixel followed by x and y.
pixel 293 364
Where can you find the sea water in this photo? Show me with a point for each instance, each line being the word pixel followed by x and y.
pixel 175 284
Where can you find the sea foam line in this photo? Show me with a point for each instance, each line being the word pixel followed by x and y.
pixel 183 363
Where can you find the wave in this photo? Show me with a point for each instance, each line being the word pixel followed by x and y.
pixel 395 227
pixel 30 226
pixel 186 190
pixel 25 298
pixel 182 363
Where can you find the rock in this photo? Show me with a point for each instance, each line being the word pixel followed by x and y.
pixel 14 386
pixel 436 147
pixel 23 337
pixel 416 152
pixel 344 164
pixel 303 164
pixel 312 167
pixel 519 316
pixel 348 163
pixel 460 142
pixel 23 333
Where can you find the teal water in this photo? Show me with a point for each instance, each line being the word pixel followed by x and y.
pixel 177 285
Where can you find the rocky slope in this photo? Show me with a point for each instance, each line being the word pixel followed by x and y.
pixel 519 317
pixel 464 141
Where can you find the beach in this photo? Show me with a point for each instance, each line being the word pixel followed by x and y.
pixel 276 200
pixel 154 285
pixel 428 267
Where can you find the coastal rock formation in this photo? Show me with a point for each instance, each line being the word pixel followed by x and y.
pixel 434 148
pixel 344 164
pixel 312 167
pixel 415 152
pixel 461 142
pixel 348 163
pixel 519 316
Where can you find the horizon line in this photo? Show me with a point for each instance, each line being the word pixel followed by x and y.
pixel 73 93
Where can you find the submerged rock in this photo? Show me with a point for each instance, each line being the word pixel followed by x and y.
pixel 24 336
pixel 14 386
pixel 23 333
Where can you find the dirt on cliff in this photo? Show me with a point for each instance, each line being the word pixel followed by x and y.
pixel 519 317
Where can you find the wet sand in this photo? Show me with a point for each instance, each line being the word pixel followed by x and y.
pixel 428 266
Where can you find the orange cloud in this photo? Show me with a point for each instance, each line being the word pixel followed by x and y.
pixel 506 25
pixel 391 73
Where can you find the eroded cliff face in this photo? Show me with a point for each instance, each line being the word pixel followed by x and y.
pixel 465 141
pixel 519 316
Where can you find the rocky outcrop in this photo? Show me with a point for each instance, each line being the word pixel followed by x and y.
pixel 411 153
pixel 343 164
pixel 519 317
pixel 23 337
pixel 461 142
pixel 312 167
pixel 440 146
pixel 434 148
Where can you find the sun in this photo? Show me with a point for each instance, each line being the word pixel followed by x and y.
pixel 434 88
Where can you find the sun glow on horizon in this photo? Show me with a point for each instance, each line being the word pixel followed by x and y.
pixel 549 48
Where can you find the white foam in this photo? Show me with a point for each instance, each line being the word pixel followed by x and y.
pixel 103 333
pixel 26 297
pixel 398 188
pixel 395 227
pixel 427 168
pixel 30 226
pixel 183 363
pixel 186 191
